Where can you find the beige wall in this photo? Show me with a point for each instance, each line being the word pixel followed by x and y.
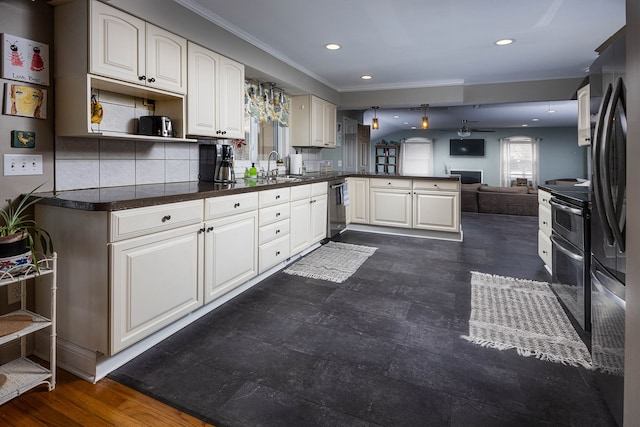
pixel 29 20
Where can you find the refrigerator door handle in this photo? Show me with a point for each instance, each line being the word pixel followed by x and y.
pixel 598 183
pixel 618 98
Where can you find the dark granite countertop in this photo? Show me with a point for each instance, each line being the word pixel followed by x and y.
pixel 135 196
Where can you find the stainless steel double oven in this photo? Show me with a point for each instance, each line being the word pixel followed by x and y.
pixel 570 238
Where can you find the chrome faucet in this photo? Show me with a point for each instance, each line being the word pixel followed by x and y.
pixel 269 162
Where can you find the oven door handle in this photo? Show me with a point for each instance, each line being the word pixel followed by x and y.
pixel 562 248
pixel 565 208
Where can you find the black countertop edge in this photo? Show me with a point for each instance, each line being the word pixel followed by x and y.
pixel 136 196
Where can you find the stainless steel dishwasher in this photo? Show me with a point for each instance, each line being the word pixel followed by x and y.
pixel 338 198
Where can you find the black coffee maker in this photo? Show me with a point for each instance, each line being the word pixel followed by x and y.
pixel 225 172
pixel 216 163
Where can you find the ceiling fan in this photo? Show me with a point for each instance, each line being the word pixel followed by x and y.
pixel 464 131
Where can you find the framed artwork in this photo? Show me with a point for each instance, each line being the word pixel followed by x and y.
pixel 25 60
pixel 25 100
pixel 23 139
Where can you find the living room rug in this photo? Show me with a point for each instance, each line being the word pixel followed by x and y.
pixel 334 262
pixel 509 313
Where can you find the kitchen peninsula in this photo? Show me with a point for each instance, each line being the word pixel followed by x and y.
pixel 139 263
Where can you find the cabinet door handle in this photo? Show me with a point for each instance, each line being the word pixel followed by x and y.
pixel 236 205
pixel 209 229
pixel 201 230
pixel 142 77
pixel 544 222
pixel 166 218
pixel 151 80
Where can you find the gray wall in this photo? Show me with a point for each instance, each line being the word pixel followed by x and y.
pixel 559 155
pixel 33 21
pixel 632 329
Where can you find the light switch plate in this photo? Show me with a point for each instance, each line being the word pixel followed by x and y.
pixel 22 164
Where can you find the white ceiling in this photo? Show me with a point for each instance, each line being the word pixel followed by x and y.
pixel 420 43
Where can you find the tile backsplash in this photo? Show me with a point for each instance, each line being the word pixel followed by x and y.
pixel 91 163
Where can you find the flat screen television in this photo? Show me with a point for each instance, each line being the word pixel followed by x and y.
pixel 466 147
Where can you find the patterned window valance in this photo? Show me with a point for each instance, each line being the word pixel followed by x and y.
pixel 265 109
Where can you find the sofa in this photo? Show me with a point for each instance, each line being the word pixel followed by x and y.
pixel 517 200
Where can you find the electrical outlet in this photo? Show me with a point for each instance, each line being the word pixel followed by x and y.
pixel 13 293
pixel 22 164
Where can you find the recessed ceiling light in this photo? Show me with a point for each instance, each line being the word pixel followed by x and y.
pixel 504 42
pixel 535 120
pixel 332 46
pixel 366 77
pixel 551 111
pixel 396 117
pixel 524 125
pixel 413 127
pixel 405 123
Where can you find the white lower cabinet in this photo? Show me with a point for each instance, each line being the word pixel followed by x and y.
pixel 300 235
pixel 318 221
pixel 274 222
pixel 544 228
pixel 359 200
pixel 155 280
pixel 309 204
pixel 436 211
pixel 230 253
pixel 390 202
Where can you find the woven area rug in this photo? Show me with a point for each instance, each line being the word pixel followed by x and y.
pixel 334 262
pixel 525 315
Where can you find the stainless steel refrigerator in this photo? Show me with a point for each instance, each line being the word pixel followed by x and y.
pixel 608 220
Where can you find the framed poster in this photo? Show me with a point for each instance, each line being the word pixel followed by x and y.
pixel 25 60
pixel 25 100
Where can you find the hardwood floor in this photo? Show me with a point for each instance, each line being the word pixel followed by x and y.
pixel 76 402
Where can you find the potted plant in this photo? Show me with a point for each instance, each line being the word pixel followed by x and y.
pixel 20 235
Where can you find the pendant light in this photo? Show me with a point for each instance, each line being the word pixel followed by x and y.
pixel 374 122
pixel 425 119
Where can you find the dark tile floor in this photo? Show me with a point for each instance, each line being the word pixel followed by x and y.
pixel 382 348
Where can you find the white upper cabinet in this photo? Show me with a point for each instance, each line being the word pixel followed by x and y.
pixel 313 122
pixel 584 116
pixel 215 95
pixel 127 48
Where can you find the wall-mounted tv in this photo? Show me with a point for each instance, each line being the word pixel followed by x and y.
pixel 466 147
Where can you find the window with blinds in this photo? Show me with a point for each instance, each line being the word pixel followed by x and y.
pixel 519 163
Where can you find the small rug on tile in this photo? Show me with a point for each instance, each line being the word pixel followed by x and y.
pixel 525 315
pixel 334 261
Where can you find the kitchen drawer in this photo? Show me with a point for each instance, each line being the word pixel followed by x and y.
pixel 275 196
pixel 130 223
pixel 271 232
pixel 390 183
pixel 544 249
pixel 434 185
pixel 544 197
pixel 273 253
pixel 272 214
pixel 544 219
pixel 318 188
pixel 218 207
pixel 299 192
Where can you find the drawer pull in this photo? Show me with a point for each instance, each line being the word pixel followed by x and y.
pixel 544 222
pixel 166 218
pixel 277 214
pixel 277 196
pixel 277 231
pixel 236 205
pixel 277 253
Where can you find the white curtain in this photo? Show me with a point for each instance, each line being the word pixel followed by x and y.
pixel 417 157
pixel 519 159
